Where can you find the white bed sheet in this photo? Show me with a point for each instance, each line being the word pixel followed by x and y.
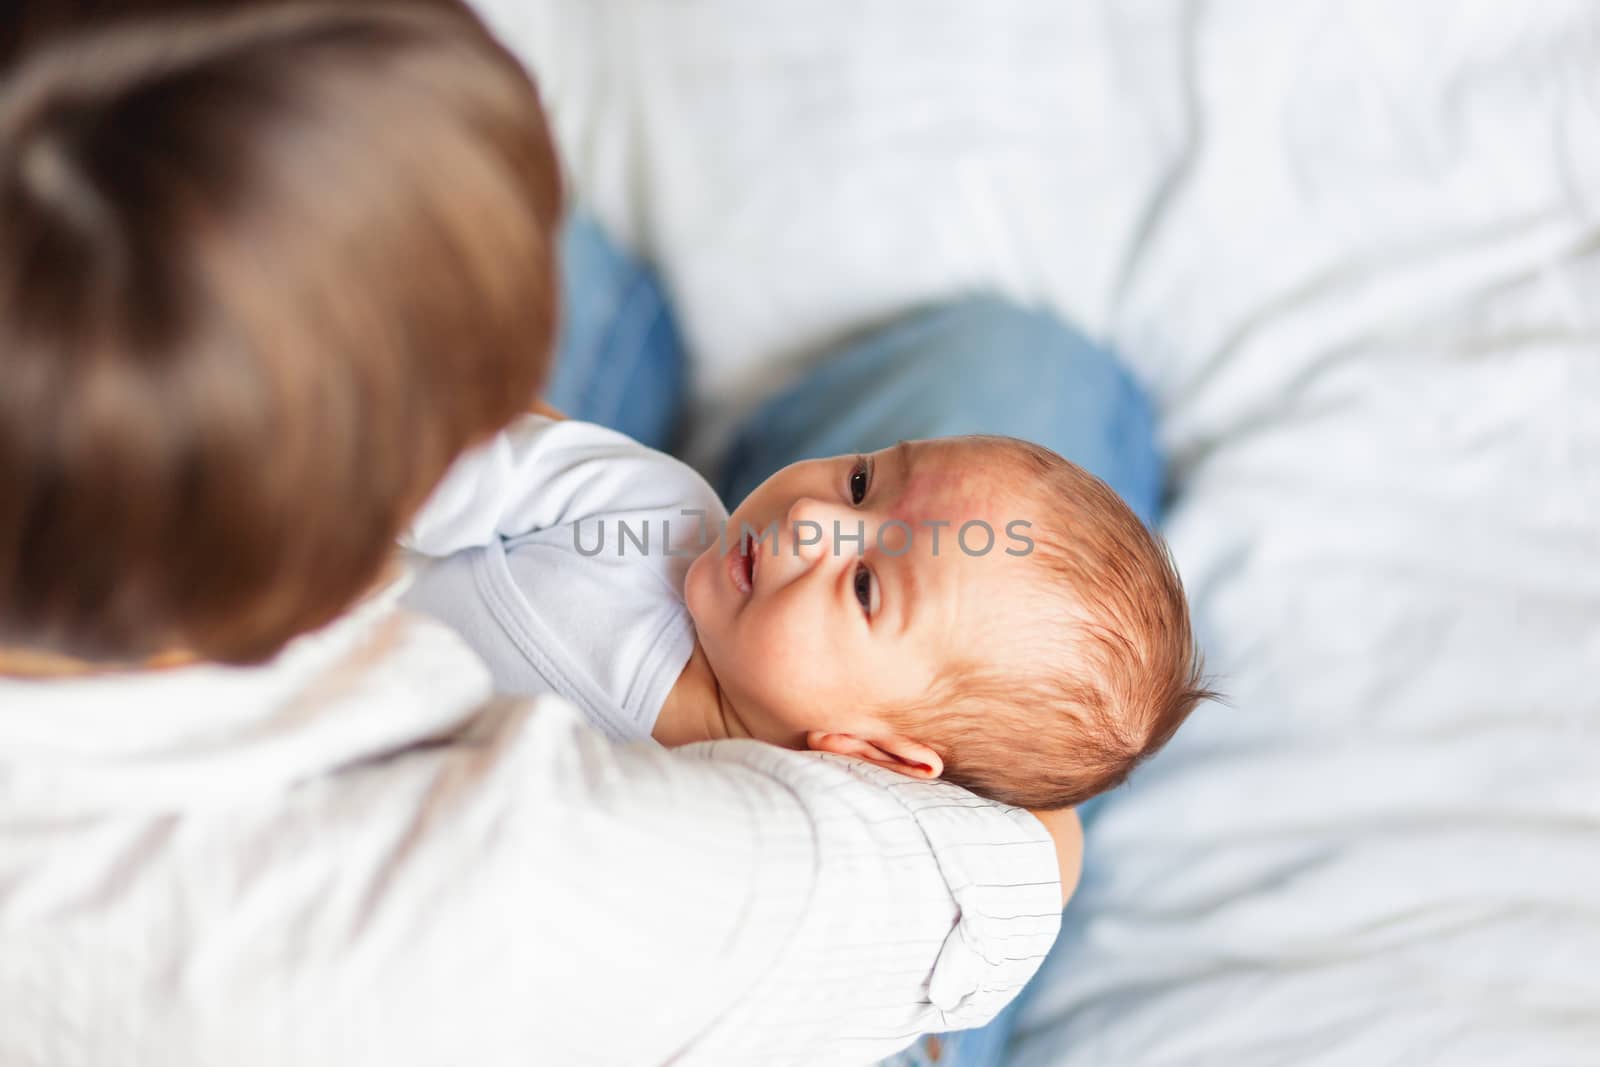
pixel 1354 249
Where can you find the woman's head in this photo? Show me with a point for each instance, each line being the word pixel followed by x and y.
pixel 265 269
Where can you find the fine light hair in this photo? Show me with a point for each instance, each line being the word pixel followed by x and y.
pixel 266 268
pixel 1121 669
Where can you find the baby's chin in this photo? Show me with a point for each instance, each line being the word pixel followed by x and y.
pixel 697 590
pixel 700 597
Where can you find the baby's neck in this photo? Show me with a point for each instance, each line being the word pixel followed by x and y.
pixel 697 709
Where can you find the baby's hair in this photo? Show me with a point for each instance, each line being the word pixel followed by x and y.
pixel 1123 671
pixel 265 269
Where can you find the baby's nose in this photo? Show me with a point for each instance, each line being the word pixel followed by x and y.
pixel 819 528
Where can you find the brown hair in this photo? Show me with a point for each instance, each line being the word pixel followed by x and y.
pixel 1127 672
pixel 265 269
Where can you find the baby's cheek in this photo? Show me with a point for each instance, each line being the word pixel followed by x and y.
pixel 777 670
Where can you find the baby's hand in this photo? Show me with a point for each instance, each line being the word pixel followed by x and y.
pixel 1067 832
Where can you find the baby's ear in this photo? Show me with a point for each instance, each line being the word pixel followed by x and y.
pixel 900 754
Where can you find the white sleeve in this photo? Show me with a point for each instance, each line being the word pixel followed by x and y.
pixel 540 473
pixel 929 909
pixel 530 893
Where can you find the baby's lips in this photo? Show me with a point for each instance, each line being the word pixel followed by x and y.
pixel 739 572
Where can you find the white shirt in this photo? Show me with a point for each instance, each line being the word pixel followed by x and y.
pixel 354 855
pixel 566 546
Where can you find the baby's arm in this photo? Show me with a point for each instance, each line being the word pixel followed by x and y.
pixel 489 491
pixel 545 471
pixel 537 473
pixel 435 530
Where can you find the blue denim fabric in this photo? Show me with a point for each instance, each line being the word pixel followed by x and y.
pixel 619 360
pixel 975 365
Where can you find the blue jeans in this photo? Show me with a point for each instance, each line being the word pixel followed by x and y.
pixel 973 365
pixel 977 364
pixel 619 361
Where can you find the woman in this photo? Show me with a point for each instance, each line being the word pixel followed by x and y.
pixel 265 269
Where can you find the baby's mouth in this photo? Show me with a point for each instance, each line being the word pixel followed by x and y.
pixel 742 566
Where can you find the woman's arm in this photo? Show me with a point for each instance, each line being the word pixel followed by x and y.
pixel 530 892
pixel 930 910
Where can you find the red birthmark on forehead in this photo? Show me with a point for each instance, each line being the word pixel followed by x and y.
pixel 955 482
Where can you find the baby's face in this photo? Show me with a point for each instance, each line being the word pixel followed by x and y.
pixel 812 627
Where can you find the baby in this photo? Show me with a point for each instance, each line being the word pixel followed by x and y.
pixel 972 608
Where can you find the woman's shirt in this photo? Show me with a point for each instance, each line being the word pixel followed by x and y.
pixel 355 854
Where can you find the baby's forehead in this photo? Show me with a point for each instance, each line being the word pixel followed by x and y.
pixel 1012 589
pixel 969 475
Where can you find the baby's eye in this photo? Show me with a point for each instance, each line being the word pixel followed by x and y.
pixel 860 475
pixel 863 579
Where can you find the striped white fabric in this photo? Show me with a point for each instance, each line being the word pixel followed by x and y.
pixel 354 855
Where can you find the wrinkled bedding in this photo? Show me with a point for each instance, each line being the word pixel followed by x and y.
pixel 1353 248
